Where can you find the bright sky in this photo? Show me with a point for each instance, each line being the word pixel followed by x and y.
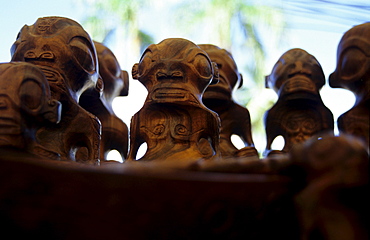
pixel 320 43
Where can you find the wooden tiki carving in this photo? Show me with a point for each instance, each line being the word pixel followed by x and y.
pixel 25 105
pixel 64 52
pixel 332 204
pixel 235 119
pixel 299 112
pixel 353 73
pixel 174 122
pixel 116 83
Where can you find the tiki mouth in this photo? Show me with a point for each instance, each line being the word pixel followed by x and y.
pixel 299 83
pixel 169 93
pixel 170 78
pixel 300 75
pixel 9 126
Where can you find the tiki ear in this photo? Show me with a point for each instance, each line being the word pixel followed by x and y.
pixel 135 71
pixel 240 80
pixel 267 78
pixel 125 78
pixel 215 78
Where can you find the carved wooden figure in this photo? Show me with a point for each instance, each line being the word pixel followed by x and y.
pixel 174 122
pixel 235 119
pixel 333 202
pixel 353 73
pixel 299 112
pixel 116 83
pixel 25 105
pixel 62 49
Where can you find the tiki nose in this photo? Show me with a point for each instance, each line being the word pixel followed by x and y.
pixel 299 68
pixel 161 74
pixel 171 70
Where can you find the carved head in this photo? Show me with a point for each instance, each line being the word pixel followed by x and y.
pixel 345 154
pixel 229 75
pixel 25 102
pixel 295 71
pixel 336 178
pixel 62 49
pixel 175 70
pixel 353 59
pixel 116 81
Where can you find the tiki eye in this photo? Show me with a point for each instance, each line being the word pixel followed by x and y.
pixel 47 55
pixel 352 62
pixel 30 55
pixel 31 94
pixel 82 53
pixel 202 65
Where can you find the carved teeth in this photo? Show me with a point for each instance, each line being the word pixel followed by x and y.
pixel 174 93
pixel 169 95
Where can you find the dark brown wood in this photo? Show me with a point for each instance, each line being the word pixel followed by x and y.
pixel 315 188
pixel 62 49
pixel 353 73
pixel 334 202
pixel 235 119
pixel 174 122
pixel 114 134
pixel 299 113
pixel 65 200
pixel 25 105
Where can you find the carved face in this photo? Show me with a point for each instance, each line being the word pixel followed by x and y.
pixel 227 69
pixel 296 70
pixel 116 82
pixel 62 49
pixel 24 100
pixel 175 70
pixel 353 59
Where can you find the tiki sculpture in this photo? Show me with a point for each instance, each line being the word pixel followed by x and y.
pixel 299 112
pixel 25 105
pixel 335 195
pixel 65 53
pixel 116 83
pixel 353 73
pixel 235 119
pixel 174 122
